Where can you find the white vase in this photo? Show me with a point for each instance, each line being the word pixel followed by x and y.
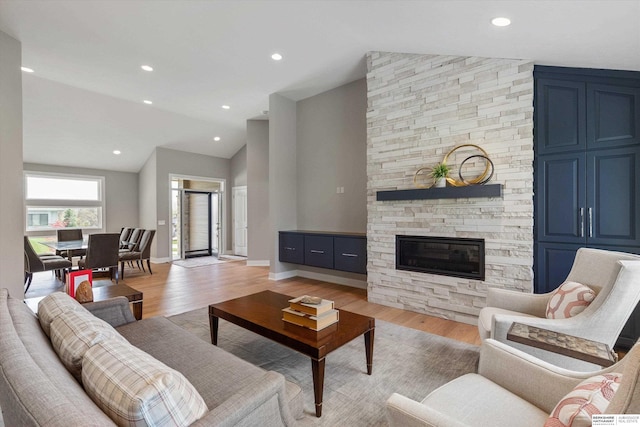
pixel 441 182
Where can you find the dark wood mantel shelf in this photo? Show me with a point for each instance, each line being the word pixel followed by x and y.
pixel 490 190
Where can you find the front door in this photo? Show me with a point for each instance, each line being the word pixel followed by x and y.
pixel 196 224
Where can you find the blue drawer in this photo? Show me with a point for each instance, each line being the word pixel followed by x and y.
pixel 350 254
pixel 318 251
pixel 291 248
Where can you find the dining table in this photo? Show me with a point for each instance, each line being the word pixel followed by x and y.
pixel 67 246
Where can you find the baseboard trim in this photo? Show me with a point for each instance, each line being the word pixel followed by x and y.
pixel 160 260
pixel 258 263
pixel 354 283
pixel 283 275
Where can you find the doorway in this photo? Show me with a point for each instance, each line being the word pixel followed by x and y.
pixel 239 213
pixel 196 217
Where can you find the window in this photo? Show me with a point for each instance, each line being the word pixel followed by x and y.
pixel 55 201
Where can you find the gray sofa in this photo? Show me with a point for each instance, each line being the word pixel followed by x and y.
pixel 36 389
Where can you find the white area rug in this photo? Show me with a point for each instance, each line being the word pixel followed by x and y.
pixel 198 262
pixel 407 361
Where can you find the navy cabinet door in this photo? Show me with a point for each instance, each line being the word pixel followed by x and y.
pixel 291 248
pixel 318 251
pixel 552 265
pixel 613 116
pixel 350 254
pixel 560 198
pixel 559 116
pixel 613 211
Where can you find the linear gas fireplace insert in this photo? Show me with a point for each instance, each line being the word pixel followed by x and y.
pixel 458 257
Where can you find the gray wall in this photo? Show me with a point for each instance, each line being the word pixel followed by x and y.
pixel 259 242
pixel 239 168
pixel 121 193
pixel 331 153
pixel 282 176
pixel 192 165
pixel 11 194
pixel 148 199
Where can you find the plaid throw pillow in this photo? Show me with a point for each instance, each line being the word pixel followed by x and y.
pixel 135 389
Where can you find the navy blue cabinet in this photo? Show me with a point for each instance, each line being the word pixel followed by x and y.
pixel 318 251
pixel 291 248
pixel 350 254
pixel 586 170
pixel 586 166
pixel 337 251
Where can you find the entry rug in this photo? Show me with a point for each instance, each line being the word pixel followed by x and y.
pixel 198 262
pixel 410 362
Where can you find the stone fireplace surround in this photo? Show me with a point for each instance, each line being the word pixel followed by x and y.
pixel 419 108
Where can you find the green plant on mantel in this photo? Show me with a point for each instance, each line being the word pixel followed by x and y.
pixel 441 170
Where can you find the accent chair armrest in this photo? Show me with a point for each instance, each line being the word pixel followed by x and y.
pixel 541 383
pixel 521 302
pixel 404 412
pixel 261 403
pixel 115 311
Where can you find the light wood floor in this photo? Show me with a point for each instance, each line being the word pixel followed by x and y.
pixel 172 289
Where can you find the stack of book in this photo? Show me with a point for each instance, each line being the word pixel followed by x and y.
pixel 310 312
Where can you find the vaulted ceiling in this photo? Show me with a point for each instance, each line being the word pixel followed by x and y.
pixel 85 96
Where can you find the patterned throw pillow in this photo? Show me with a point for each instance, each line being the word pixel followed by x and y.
pixel 54 305
pixel 591 396
pixel 75 332
pixel 569 299
pixel 135 389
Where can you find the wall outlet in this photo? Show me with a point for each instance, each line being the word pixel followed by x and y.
pixel 161 222
pixel 340 190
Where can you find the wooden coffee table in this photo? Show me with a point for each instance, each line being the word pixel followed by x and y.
pixel 262 313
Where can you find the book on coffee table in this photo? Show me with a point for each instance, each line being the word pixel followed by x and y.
pixel 310 321
pixel 311 305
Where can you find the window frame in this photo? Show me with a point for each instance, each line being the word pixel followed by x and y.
pixel 64 203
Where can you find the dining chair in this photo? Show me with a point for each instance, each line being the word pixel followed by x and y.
pixel 102 253
pixel 34 264
pixel 70 234
pixel 133 240
pixel 144 253
pixel 125 232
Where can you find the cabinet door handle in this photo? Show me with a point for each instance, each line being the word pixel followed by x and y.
pixel 314 251
pixel 287 248
pixel 581 222
pixel 590 222
pixel 351 255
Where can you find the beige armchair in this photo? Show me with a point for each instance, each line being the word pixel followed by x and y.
pixel 511 388
pixel 614 276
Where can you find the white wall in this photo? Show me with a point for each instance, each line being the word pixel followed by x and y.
pixel 258 231
pixel 331 153
pixel 239 168
pixel 282 177
pixel 147 201
pixel 11 191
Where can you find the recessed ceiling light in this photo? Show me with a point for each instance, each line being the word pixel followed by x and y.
pixel 146 101
pixel 226 107
pixel 276 57
pixel 117 152
pixel 27 69
pixel 501 21
pixel 147 67
pixel 216 138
